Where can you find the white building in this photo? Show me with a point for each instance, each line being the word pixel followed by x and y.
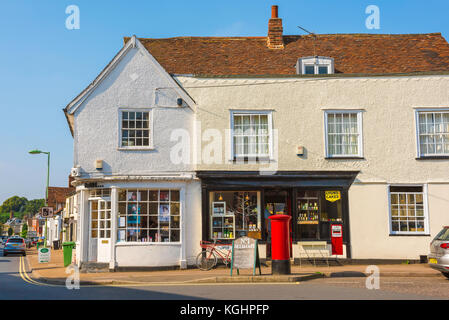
pixel 137 208
pixel 355 128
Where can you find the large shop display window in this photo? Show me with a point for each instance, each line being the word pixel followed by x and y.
pixel 234 214
pixel 316 211
pixel 148 215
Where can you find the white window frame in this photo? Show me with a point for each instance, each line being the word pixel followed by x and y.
pixel 150 123
pixel 317 62
pixel 418 111
pixel 425 208
pixel 270 132
pixel 359 113
pixel 145 189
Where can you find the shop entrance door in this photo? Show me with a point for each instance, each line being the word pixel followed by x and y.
pixel 100 230
pixel 277 202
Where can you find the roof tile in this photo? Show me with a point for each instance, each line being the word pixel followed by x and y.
pixel 352 53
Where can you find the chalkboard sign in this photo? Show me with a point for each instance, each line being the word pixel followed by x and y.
pixel 245 254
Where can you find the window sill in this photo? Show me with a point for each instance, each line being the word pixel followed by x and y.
pixel 127 244
pixel 345 158
pixel 136 148
pixel 251 159
pixel 432 158
pixel 409 235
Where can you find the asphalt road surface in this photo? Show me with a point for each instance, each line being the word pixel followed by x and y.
pixel 15 284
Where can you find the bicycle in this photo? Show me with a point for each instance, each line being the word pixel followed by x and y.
pixel 207 259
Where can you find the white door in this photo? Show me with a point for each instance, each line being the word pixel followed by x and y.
pixel 100 231
pixel 104 231
pixel 93 230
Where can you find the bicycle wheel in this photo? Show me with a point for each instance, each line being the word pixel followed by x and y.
pixel 206 260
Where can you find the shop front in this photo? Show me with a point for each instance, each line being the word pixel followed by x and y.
pixel 138 224
pixel 238 203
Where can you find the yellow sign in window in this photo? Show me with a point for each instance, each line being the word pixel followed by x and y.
pixel 332 196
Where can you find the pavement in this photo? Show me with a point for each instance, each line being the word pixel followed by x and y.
pixel 54 272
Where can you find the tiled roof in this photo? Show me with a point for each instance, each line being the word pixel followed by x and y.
pixel 58 195
pixel 352 53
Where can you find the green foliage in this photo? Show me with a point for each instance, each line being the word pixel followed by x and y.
pixel 20 206
pixel 24 230
pixel 15 204
pixel 33 206
pixel 10 232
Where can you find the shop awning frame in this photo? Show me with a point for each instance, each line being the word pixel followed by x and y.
pixel 280 179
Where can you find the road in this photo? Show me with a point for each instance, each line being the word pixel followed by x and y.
pixel 15 284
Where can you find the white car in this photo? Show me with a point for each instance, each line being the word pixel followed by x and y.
pixel 439 252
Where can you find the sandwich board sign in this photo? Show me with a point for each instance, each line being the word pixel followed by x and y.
pixel 245 254
pixel 44 255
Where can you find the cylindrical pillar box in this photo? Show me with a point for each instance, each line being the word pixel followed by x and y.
pixel 280 244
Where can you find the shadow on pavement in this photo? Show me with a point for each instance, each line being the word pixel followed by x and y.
pixel 347 274
pixel 15 288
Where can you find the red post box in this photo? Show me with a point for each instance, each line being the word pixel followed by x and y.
pixel 280 244
pixel 337 239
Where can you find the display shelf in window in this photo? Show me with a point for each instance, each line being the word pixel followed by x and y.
pixel 223 226
pixel 308 210
pixel 218 208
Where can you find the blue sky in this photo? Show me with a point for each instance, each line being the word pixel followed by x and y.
pixel 43 65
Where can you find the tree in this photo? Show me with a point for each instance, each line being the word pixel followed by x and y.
pixel 33 206
pixel 10 232
pixel 15 204
pixel 24 230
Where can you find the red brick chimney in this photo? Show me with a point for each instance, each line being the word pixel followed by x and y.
pixel 275 39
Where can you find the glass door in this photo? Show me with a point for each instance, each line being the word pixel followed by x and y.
pixel 100 230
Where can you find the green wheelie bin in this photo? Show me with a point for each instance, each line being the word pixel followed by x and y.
pixel 67 252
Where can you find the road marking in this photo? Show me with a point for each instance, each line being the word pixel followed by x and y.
pixel 27 278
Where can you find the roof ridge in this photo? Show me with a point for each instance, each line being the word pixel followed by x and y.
pixel 371 35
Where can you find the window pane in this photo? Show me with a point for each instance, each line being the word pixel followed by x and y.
pixel 322 70
pixel 174 195
pixel 174 235
pixel 309 70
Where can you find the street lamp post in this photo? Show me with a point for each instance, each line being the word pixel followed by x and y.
pixel 46 189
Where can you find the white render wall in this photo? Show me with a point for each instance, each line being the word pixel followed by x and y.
pixel 136 83
pixel 131 84
pixel 370 225
pixel 389 135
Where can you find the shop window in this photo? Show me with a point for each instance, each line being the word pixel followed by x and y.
pixel 343 133
pixel 251 134
pixel 149 215
pixel 316 211
pixel 408 214
pixel 135 129
pixel 433 133
pixel 100 193
pixel 234 214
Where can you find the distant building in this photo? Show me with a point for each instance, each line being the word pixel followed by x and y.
pixel 15 224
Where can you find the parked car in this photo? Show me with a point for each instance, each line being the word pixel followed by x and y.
pixel 439 252
pixel 15 245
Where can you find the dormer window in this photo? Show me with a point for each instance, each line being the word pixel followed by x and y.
pixel 315 65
